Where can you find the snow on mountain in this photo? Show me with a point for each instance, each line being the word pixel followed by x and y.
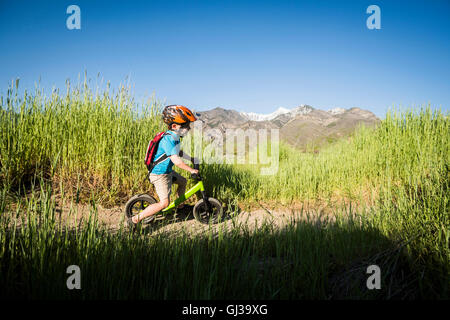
pixel 303 109
pixel 262 117
pixel 336 110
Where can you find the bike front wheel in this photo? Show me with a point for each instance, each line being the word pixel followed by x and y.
pixel 214 215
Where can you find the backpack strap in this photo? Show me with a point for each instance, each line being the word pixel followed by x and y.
pixel 160 159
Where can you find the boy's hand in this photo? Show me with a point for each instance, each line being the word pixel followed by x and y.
pixel 180 164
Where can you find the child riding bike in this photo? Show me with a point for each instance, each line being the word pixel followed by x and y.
pixel 178 119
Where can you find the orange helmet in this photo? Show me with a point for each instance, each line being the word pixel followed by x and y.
pixel 177 114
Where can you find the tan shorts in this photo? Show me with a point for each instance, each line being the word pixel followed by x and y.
pixel 163 183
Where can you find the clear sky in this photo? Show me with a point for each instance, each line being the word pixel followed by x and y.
pixel 252 56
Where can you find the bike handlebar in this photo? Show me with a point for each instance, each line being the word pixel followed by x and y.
pixel 196 176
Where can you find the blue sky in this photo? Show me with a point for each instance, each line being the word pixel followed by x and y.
pixel 252 56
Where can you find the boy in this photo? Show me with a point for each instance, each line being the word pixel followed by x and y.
pixel 178 119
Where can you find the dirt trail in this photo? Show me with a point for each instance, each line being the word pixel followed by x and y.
pixel 183 221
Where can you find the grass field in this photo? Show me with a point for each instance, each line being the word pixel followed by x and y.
pixel 87 147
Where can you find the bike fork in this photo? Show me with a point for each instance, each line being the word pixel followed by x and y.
pixel 206 201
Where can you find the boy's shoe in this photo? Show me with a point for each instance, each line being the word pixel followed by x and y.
pixel 131 225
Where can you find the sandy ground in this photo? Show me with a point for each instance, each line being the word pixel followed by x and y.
pixel 182 220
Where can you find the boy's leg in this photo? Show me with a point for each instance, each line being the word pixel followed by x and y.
pixel 163 185
pixel 151 210
pixel 181 182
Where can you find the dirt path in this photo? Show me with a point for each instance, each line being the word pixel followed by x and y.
pixel 183 221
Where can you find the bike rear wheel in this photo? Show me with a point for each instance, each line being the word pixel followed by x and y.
pixel 137 204
pixel 214 215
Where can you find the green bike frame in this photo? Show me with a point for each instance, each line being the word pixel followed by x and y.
pixel 198 187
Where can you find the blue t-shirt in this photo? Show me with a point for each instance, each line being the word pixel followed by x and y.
pixel 169 145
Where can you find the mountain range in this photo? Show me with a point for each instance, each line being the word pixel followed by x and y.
pixel 299 126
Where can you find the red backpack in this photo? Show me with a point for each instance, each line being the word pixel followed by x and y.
pixel 151 151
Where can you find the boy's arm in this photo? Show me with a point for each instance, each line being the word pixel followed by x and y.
pixel 173 151
pixel 180 164
pixel 184 155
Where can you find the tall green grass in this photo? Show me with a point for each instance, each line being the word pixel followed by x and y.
pixel 87 146
pixel 89 141
pixel 300 261
pixel 407 149
pixel 400 171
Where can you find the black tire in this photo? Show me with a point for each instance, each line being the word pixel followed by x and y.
pixel 201 214
pixel 137 204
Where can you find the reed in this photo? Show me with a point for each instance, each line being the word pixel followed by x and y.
pixel 388 188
